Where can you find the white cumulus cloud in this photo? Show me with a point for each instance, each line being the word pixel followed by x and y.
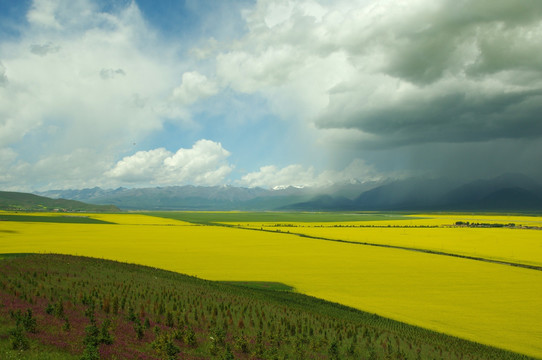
pixel 203 164
pixel 194 86
pixel 78 79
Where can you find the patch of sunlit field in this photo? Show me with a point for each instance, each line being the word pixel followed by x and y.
pixel 489 303
pixel 433 232
pixel 501 244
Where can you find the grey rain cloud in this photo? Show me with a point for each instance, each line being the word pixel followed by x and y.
pixel 451 117
pixel 44 49
pixel 3 76
pixel 433 43
pixel 111 73
pixel 469 72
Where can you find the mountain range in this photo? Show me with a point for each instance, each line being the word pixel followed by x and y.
pixel 509 192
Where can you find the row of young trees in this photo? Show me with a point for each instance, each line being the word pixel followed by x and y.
pixel 101 309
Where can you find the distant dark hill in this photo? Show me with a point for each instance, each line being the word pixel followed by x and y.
pixel 511 199
pixel 17 201
pixel 410 194
pixel 323 203
pixel 508 192
pixel 406 194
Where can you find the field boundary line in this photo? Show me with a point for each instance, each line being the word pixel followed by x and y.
pixel 406 248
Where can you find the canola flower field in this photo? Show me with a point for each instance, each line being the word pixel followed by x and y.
pixel 431 232
pixel 507 245
pixel 490 303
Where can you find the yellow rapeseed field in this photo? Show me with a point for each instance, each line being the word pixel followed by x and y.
pixel 493 304
pixel 501 244
pixel 511 245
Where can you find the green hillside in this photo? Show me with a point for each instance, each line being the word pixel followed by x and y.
pixel 67 307
pixel 17 201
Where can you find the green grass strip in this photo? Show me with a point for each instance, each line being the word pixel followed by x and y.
pixel 270 216
pixel 264 285
pixel 63 219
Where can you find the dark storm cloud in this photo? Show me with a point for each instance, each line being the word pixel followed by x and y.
pixel 450 117
pixel 477 160
pixel 427 45
pixel 3 76
pixel 451 71
pixel 44 49
pixel 111 73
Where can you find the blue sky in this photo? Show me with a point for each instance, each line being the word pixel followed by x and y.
pixel 266 93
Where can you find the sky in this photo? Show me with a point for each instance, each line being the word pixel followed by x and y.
pixel 267 93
